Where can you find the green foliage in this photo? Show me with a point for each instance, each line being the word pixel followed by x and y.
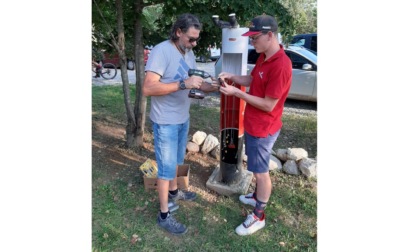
pixel 244 10
pixel 104 23
pixel 151 15
pixel 304 17
pixel 294 16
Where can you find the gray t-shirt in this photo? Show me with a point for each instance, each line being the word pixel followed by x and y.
pixel 168 62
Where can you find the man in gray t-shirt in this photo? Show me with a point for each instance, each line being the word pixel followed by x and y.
pixel 168 84
pixel 166 61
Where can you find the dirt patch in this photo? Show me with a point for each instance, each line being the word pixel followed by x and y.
pixel 110 155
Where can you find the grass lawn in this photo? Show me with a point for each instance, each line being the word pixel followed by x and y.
pixel 124 213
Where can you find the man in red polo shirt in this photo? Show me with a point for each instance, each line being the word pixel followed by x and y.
pixel 269 84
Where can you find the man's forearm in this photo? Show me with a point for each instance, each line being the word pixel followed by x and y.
pixel 243 80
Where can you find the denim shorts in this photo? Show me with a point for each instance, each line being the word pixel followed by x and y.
pixel 258 150
pixel 170 146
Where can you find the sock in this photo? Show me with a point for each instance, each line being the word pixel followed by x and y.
pixel 254 195
pixel 259 208
pixel 164 215
pixel 173 193
pixel 255 192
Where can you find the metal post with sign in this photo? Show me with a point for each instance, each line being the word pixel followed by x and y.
pixel 231 177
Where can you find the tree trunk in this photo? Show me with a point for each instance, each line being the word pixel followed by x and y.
pixel 131 122
pixel 141 101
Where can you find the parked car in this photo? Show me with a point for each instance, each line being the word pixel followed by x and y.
pixel 213 55
pixel 309 41
pixel 304 72
pixel 114 59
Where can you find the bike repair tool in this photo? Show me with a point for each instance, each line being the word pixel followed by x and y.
pixel 195 93
pixel 221 82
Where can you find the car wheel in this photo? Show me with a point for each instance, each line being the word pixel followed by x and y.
pixel 130 64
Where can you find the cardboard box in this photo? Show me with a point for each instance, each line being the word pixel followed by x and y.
pixel 183 178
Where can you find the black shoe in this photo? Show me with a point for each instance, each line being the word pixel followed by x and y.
pixel 171 225
pixel 181 195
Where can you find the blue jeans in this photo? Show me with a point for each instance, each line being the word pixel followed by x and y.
pixel 170 146
pixel 258 150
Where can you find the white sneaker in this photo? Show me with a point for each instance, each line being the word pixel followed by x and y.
pixel 250 225
pixel 248 199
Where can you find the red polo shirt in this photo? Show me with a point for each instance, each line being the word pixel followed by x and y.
pixel 271 78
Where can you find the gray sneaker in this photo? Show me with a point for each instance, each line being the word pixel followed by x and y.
pixel 172 206
pixel 171 225
pixel 181 195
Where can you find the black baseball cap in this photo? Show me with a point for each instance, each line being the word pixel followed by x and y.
pixel 263 23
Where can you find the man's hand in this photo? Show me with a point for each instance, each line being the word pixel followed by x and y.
pixel 225 76
pixel 229 90
pixel 210 86
pixel 193 82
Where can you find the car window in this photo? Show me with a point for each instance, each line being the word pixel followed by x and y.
pixel 298 61
pixel 252 56
pixel 298 41
pixel 314 43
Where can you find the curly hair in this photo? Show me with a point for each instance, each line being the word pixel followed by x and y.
pixel 184 22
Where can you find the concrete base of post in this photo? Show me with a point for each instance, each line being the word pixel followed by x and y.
pixel 241 187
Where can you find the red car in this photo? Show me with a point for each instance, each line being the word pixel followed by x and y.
pixel 114 59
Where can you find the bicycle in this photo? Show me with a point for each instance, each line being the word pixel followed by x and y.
pixel 107 71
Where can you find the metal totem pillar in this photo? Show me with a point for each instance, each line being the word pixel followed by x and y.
pixel 234 60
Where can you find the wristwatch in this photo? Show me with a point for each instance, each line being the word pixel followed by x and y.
pixel 182 85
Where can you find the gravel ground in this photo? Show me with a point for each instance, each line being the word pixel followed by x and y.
pixel 300 107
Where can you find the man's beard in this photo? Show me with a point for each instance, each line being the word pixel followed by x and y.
pixel 184 48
